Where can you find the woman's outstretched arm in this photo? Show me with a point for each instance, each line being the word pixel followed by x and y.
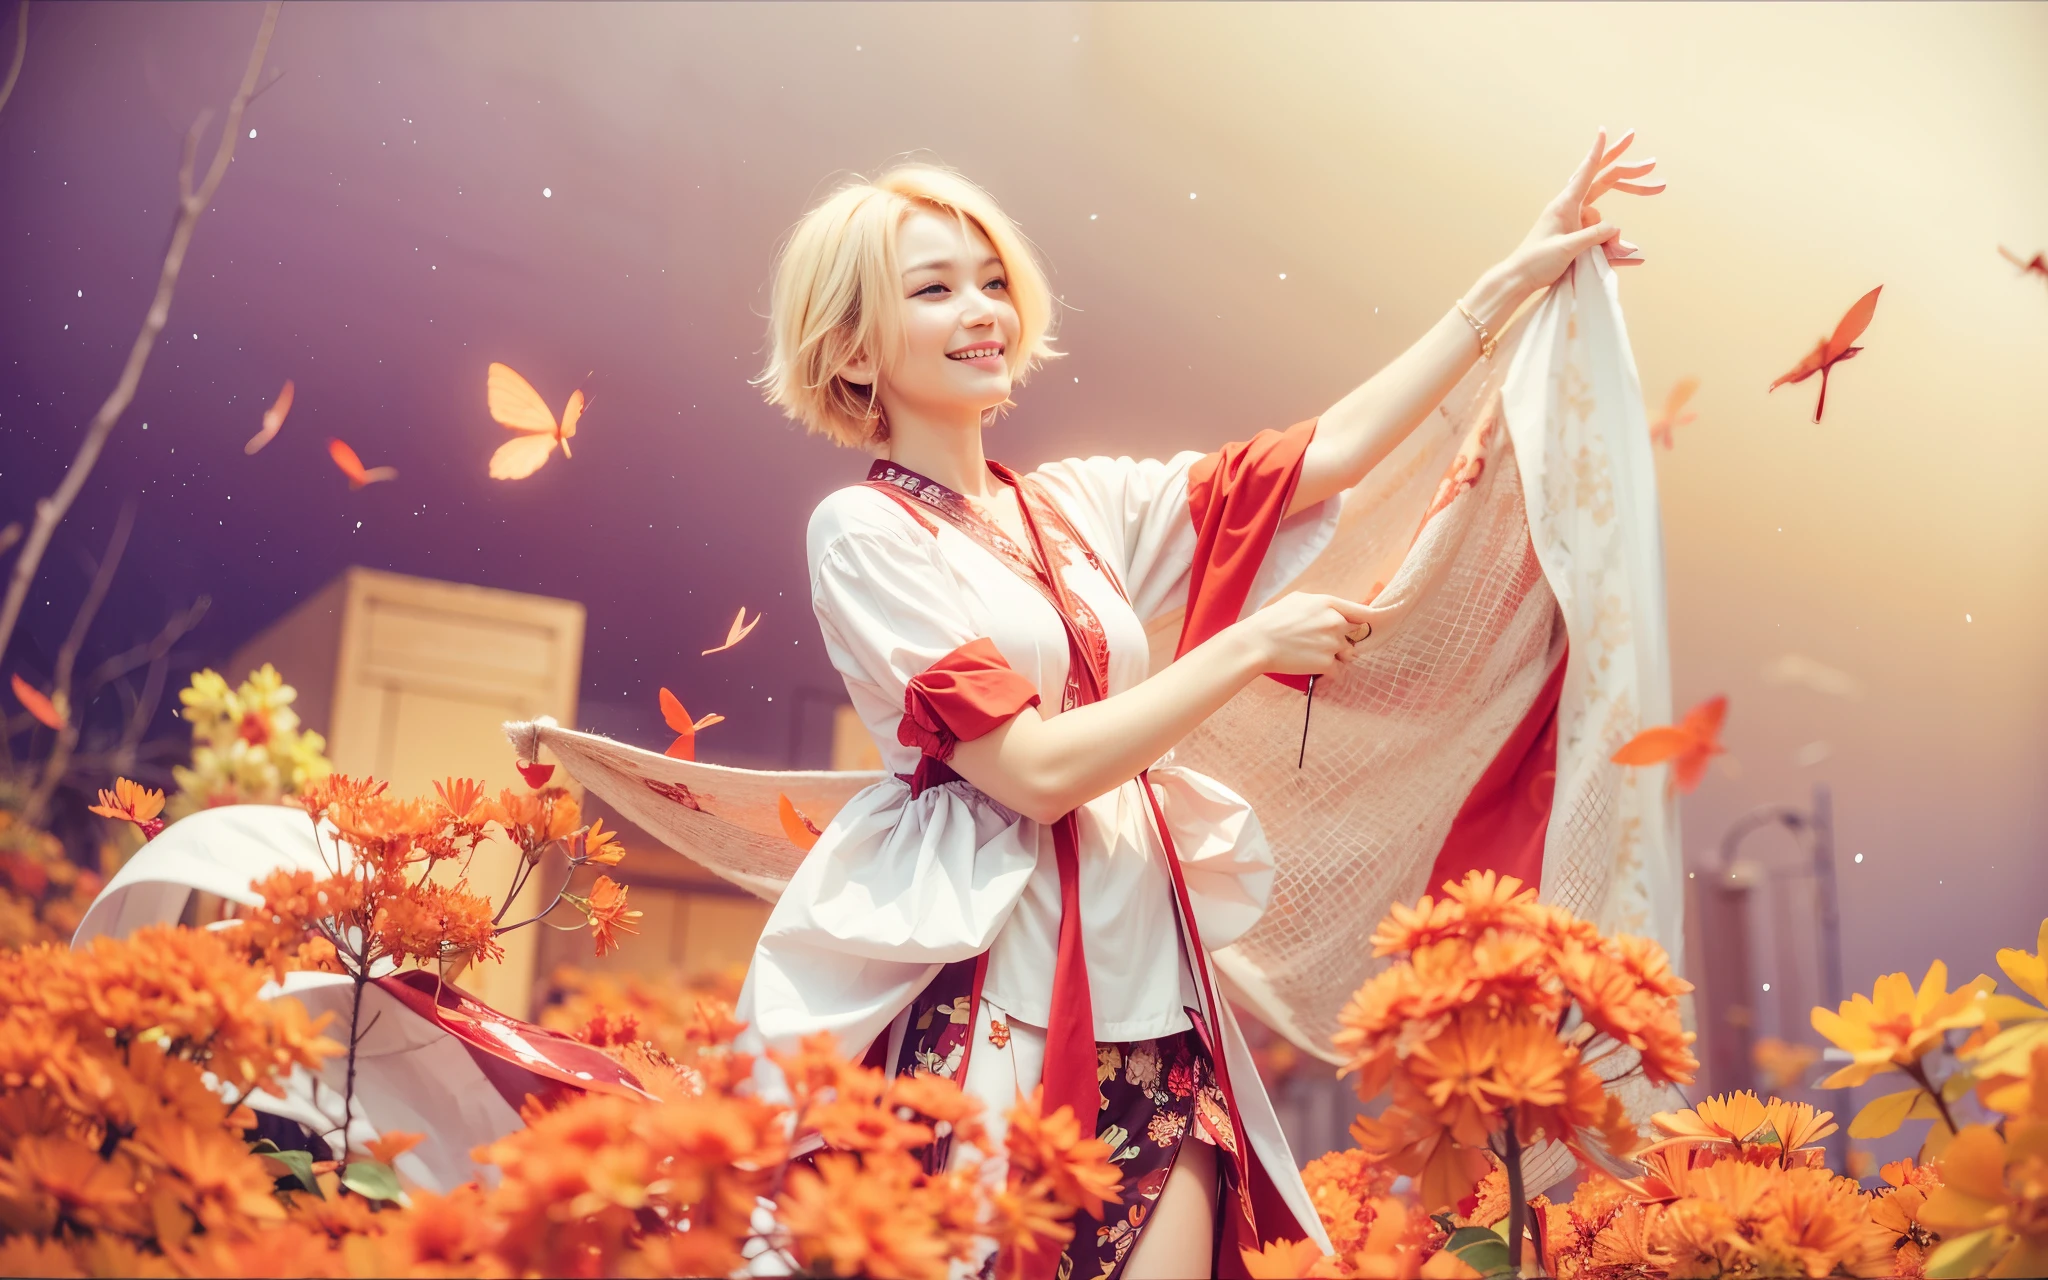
pixel 1044 768
pixel 1365 426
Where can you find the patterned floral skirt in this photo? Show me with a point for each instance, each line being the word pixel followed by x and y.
pixel 1155 1095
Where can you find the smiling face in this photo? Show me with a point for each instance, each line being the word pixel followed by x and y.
pixel 959 326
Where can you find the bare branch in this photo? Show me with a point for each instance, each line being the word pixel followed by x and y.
pixel 50 511
pixel 144 709
pixel 20 52
pixel 67 662
pixel 190 155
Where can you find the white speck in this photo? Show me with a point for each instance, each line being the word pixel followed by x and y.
pixel 1859 857
pixel 145 426
pixel 359 524
pixel 547 193
pixel 433 268
pixel 195 337
pixel 1967 618
pixel 1191 195
pixel 1767 986
pixel 1077 39
pixel 1077 377
pixel 81 293
pixel 856 48
pixel 1093 216
pixel 1692 875
pixel 1283 275
pixel 252 133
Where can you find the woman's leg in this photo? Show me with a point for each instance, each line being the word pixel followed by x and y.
pixel 1180 1238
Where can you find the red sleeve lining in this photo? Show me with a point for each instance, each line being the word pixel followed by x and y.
pixel 965 694
pixel 1237 498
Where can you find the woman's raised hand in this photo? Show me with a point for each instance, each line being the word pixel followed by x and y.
pixel 1570 224
pixel 1304 634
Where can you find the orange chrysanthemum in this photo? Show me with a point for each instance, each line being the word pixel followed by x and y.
pixel 608 914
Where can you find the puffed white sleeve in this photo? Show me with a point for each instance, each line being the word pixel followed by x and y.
pixel 1178 530
pixel 897 885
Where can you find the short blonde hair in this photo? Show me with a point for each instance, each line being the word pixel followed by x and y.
pixel 840 258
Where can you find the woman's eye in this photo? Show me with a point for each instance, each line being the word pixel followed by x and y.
pixel 928 288
pixel 997 283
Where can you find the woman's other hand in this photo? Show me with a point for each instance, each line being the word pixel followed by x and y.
pixel 1570 224
pixel 1304 634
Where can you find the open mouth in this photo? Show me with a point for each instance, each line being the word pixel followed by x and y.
pixel 988 353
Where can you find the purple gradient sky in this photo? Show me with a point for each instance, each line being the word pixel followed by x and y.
pixel 384 237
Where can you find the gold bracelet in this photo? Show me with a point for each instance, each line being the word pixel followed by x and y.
pixel 1486 340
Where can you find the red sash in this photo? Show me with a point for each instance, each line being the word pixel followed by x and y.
pixel 1070 1061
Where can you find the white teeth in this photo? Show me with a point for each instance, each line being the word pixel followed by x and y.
pixel 975 354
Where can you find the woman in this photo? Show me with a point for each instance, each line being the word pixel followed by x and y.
pixel 1027 903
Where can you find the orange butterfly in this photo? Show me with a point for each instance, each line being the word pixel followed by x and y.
pixel 273 419
pixel 37 705
pixel 352 466
pixel 1689 744
pixel 685 745
pixel 518 407
pixel 1834 349
pixel 2037 265
pixel 1681 391
pixel 736 632
pixel 802 832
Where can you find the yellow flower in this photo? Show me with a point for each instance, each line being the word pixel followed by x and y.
pixel 1896 1025
pixel 1992 1206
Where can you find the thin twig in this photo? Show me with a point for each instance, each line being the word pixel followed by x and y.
pixel 20 52
pixel 192 202
pixel 144 709
pixel 67 664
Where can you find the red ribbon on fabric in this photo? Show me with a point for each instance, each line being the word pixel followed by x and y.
pixel 517 1057
pixel 1237 497
pixel 1502 824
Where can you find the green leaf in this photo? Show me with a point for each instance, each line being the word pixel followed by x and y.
pixel 1480 1249
pixel 298 1163
pixel 372 1180
pixel 1963 1256
pixel 1882 1116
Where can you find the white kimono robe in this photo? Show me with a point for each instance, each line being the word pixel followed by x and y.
pixel 899 886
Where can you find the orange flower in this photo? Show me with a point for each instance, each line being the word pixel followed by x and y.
pixel 847 1218
pixel 608 914
pixel 461 798
pixel 598 845
pixel 1289 1259
pixel 132 802
pixel 1783 1063
pixel 1052 1147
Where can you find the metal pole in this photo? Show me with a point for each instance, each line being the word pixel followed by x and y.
pixel 1823 829
pixel 1817 828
